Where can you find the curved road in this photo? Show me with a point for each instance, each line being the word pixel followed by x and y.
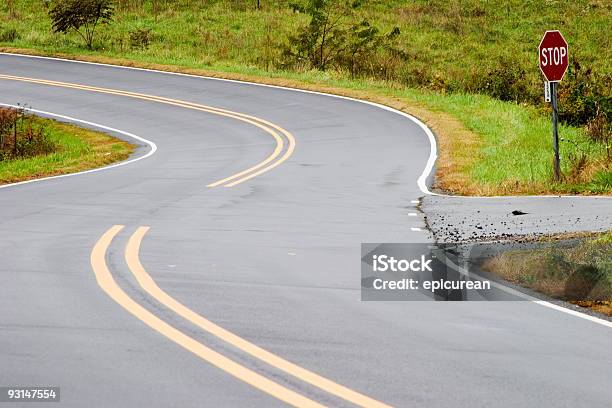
pixel 249 295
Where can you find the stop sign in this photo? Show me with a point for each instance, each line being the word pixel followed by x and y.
pixel 553 55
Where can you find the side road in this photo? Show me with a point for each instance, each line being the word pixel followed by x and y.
pixel 454 218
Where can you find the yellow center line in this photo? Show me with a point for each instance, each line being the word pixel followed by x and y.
pixel 232 180
pixel 132 259
pixel 108 284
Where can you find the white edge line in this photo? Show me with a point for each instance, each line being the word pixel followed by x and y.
pixel 152 146
pixel 421 182
pixel 530 298
pixel 433 152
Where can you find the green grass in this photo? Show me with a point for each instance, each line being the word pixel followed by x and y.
pixel 78 149
pixel 436 33
pixel 499 147
pixel 517 144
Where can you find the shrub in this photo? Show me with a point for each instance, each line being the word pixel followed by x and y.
pixel 21 136
pixel 82 16
pixel 365 49
pixel 10 5
pixel 583 95
pixel 33 141
pixel 335 38
pixel 581 284
pixel 506 81
pixel 141 38
pixel 599 129
pixel 319 43
pixel 577 164
pixel 8 122
pixel 9 35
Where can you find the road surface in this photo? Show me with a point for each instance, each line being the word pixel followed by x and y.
pixel 249 294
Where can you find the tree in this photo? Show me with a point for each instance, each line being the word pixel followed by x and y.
pixel 363 40
pixel 81 16
pixel 334 38
pixel 368 50
pixel 324 38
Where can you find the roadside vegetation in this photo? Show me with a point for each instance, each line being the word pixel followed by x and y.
pixel 33 147
pixel 468 68
pixel 579 272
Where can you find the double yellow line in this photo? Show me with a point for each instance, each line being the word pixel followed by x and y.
pixel 108 284
pixel 285 145
pixel 281 136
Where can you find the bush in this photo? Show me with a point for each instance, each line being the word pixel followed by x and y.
pixel 21 136
pixel 369 53
pixel 8 122
pixel 583 95
pixel 9 35
pixel 583 282
pixel 10 5
pixel 141 38
pixel 335 38
pixel 599 129
pixel 319 43
pixel 506 81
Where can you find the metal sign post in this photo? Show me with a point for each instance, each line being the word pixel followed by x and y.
pixel 553 54
pixel 555 118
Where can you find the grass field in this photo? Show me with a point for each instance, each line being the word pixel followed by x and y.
pixel 77 149
pixel 580 273
pixel 451 49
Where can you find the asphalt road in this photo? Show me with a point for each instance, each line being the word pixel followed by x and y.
pixel 274 260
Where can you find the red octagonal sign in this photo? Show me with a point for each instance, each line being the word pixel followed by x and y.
pixel 553 53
